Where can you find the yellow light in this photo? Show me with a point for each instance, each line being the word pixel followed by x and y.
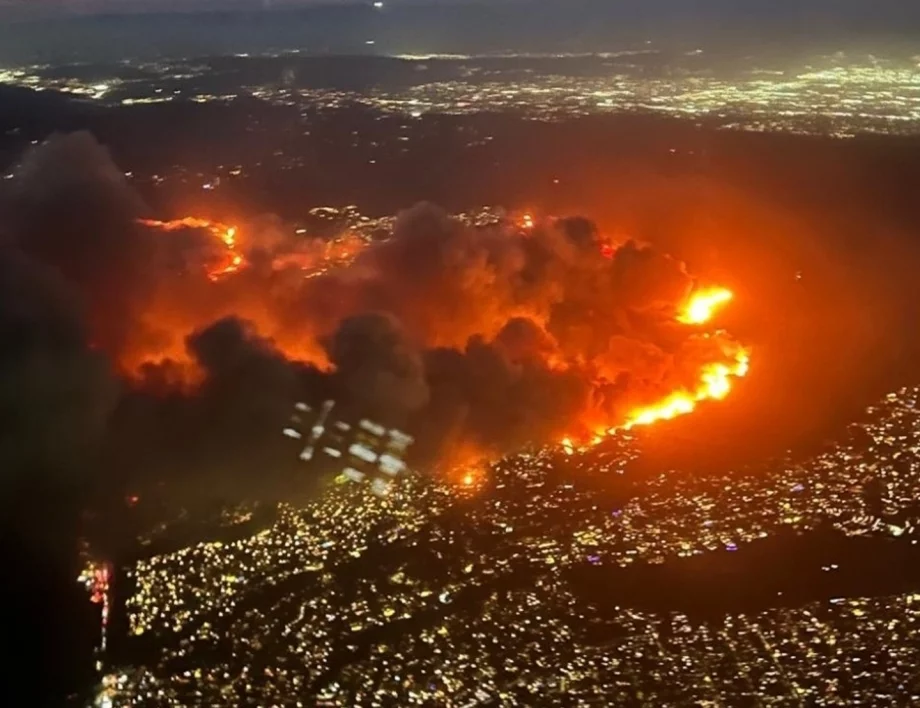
pixel 703 304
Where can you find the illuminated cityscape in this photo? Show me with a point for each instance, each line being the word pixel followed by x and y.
pixel 840 94
pixel 491 594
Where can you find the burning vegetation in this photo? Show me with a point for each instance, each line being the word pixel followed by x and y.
pixel 230 260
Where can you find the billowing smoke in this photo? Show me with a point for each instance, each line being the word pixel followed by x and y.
pixel 381 371
pixel 71 209
pixel 476 339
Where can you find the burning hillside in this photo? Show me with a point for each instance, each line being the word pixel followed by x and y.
pixel 477 339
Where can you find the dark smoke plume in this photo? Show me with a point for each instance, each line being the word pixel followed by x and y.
pixel 381 371
pixel 71 208
pixel 55 393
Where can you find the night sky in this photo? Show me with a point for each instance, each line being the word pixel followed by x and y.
pixel 448 26
pixel 843 10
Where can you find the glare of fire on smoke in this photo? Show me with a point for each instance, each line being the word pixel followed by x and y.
pixel 703 304
pixel 715 378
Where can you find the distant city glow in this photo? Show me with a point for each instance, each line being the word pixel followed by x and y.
pixel 840 95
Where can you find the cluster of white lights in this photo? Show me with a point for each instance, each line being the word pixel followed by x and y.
pixel 369 452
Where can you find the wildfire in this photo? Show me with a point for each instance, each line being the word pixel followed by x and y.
pixel 230 261
pixel 715 378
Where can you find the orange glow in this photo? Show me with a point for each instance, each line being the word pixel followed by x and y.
pixel 715 384
pixel 703 304
pixel 229 262
pixel 715 378
pixel 262 293
pixel 176 309
pixel 568 446
pixel 468 480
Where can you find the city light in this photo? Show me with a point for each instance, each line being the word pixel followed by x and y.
pixel 539 519
pixel 843 94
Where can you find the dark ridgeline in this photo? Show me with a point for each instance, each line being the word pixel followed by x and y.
pixel 785 570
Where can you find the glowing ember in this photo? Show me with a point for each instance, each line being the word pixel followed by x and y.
pixel 189 222
pixel 703 304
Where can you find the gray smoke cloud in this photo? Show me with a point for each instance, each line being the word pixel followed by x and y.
pixel 381 370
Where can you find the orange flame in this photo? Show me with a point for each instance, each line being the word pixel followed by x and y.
pixel 715 380
pixel 568 446
pixel 715 384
